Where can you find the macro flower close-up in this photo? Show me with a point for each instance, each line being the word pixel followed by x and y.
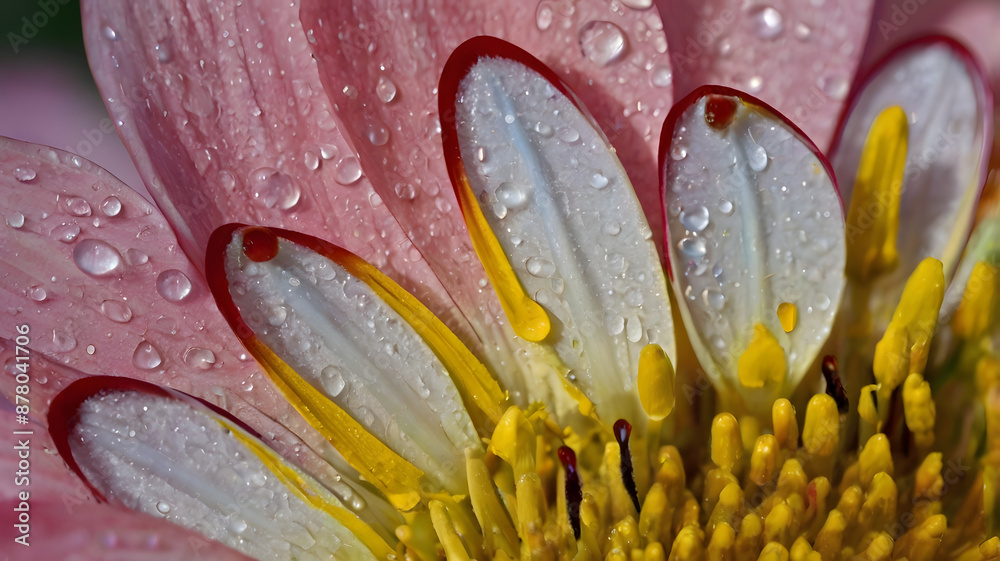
pixel 567 279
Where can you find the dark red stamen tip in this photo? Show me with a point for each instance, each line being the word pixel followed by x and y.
pixel 574 492
pixel 834 387
pixel 623 430
pixel 720 111
pixel 260 244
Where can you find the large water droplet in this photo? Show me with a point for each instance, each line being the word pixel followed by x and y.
pixel 311 160
pixel 766 22
pixel 77 206
pixel 199 358
pixel 333 380
pixel 725 207
pixel 109 33
pixel 24 174
pixel 66 233
pixel 614 323
pixel 116 311
pixel 385 89
pixel 62 341
pixel 695 218
pixel 602 42
pixel 633 329
pixel 146 356
pixel 544 129
pixel 111 206
pixel 694 248
pixel 135 257
pixel 714 299
pixel 162 507
pixel 348 171
pixel 15 220
pixel 598 180
pixel 173 285
pixel 378 135
pixel 274 189
pixel 678 151
pixel 96 257
pixel 540 267
pixel 512 196
pixel 637 4
pixel 756 157
pixel 405 191
pixel 37 293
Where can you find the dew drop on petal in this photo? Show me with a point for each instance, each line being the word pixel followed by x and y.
pixel 96 257
pixel 544 129
pixel 77 206
pixel 274 189
pixel 328 151
pixel 405 191
pixel 116 311
pixel 332 380
pixel 693 248
pixel 311 160
pixel 163 53
pixel 348 171
pixel 543 16
pixel 540 267
pixel 802 31
pixel 695 218
pixel 162 507
pixel 598 180
pixel 714 299
pixel 24 174
pixel 37 293
pixel 678 151
pixel 62 341
pixel 135 257
pixel 201 359
pixel 756 157
pixel 109 33
pixel 662 76
pixel 15 220
pixel 385 89
pixel 146 356
pixel 602 42
pixel 111 206
pixel 378 135
pixel 512 196
pixel 766 22
pixel 637 4
pixel 173 285
pixel 725 207
pixel 834 87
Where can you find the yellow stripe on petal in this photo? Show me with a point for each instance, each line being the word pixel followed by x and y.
pixel 656 382
pixel 294 481
pixel 873 217
pixel 397 478
pixel 763 360
pixel 528 319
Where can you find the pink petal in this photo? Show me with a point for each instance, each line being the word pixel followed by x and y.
pixel 139 319
pixel 224 113
pixel 799 57
pixel 367 50
pixel 84 532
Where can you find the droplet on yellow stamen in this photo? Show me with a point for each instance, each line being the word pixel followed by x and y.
pixel 906 343
pixel 980 303
pixel 727 444
pixel 788 314
pixel 514 441
pixel 528 319
pixel 919 410
pixel 821 432
pixel 763 360
pixel 873 217
pixel 786 426
pixel 875 457
pixel 656 382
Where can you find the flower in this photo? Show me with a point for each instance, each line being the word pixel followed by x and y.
pixel 273 82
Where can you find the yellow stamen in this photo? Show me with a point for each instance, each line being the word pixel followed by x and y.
pixel 873 217
pixel 763 360
pixel 922 543
pixel 870 422
pixel 654 520
pixel 801 550
pixel 528 319
pixel 720 546
pixel 875 457
pixel 821 431
pixel 687 545
pixel 786 426
pixel 906 343
pixel 980 305
pixel 879 508
pixel 831 536
pixel 879 548
pixel 498 533
pixel 514 441
pixel 531 511
pixel 727 444
pixel 447 535
pixel 788 314
pixel 919 410
pixel 780 525
pixel 773 551
pixel 656 382
pixel 764 460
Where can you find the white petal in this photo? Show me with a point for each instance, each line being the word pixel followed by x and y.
pixel 562 208
pixel 754 221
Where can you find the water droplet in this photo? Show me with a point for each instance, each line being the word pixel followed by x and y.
pixel 378 135
pixel 24 174
pixel 96 257
pixel 163 53
pixel 274 189
pixel 146 356
pixel 385 89
pixel 405 191
pixel 802 31
pixel 333 380
pixel 540 267
pixel 602 42
pixel 662 76
pixel 714 299
pixel 162 507
pixel 725 207
pixel 135 257
pixel 569 134
pixel 199 358
pixel 612 228
pixel 512 196
pixel 77 206
pixel 766 22
pixel 822 302
pixel 311 160
pixel 328 151
pixel 834 87
pixel 637 4
pixel 62 341
pixel 111 206
pixel 633 330
pixel 348 171
pixel 109 33
pixel 695 218
pixel 614 323
pixel 754 84
pixel 693 248
pixel 543 16
pixel 598 180
pixel 37 293
pixel 173 285
pixel 756 157
pixel 91 349
pixel 678 151
pixel 15 220
pixel 238 525
pixel 116 311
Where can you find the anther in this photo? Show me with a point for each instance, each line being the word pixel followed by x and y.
pixel 834 387
pixel 574 493
pixel 260 244
pixel 622 432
